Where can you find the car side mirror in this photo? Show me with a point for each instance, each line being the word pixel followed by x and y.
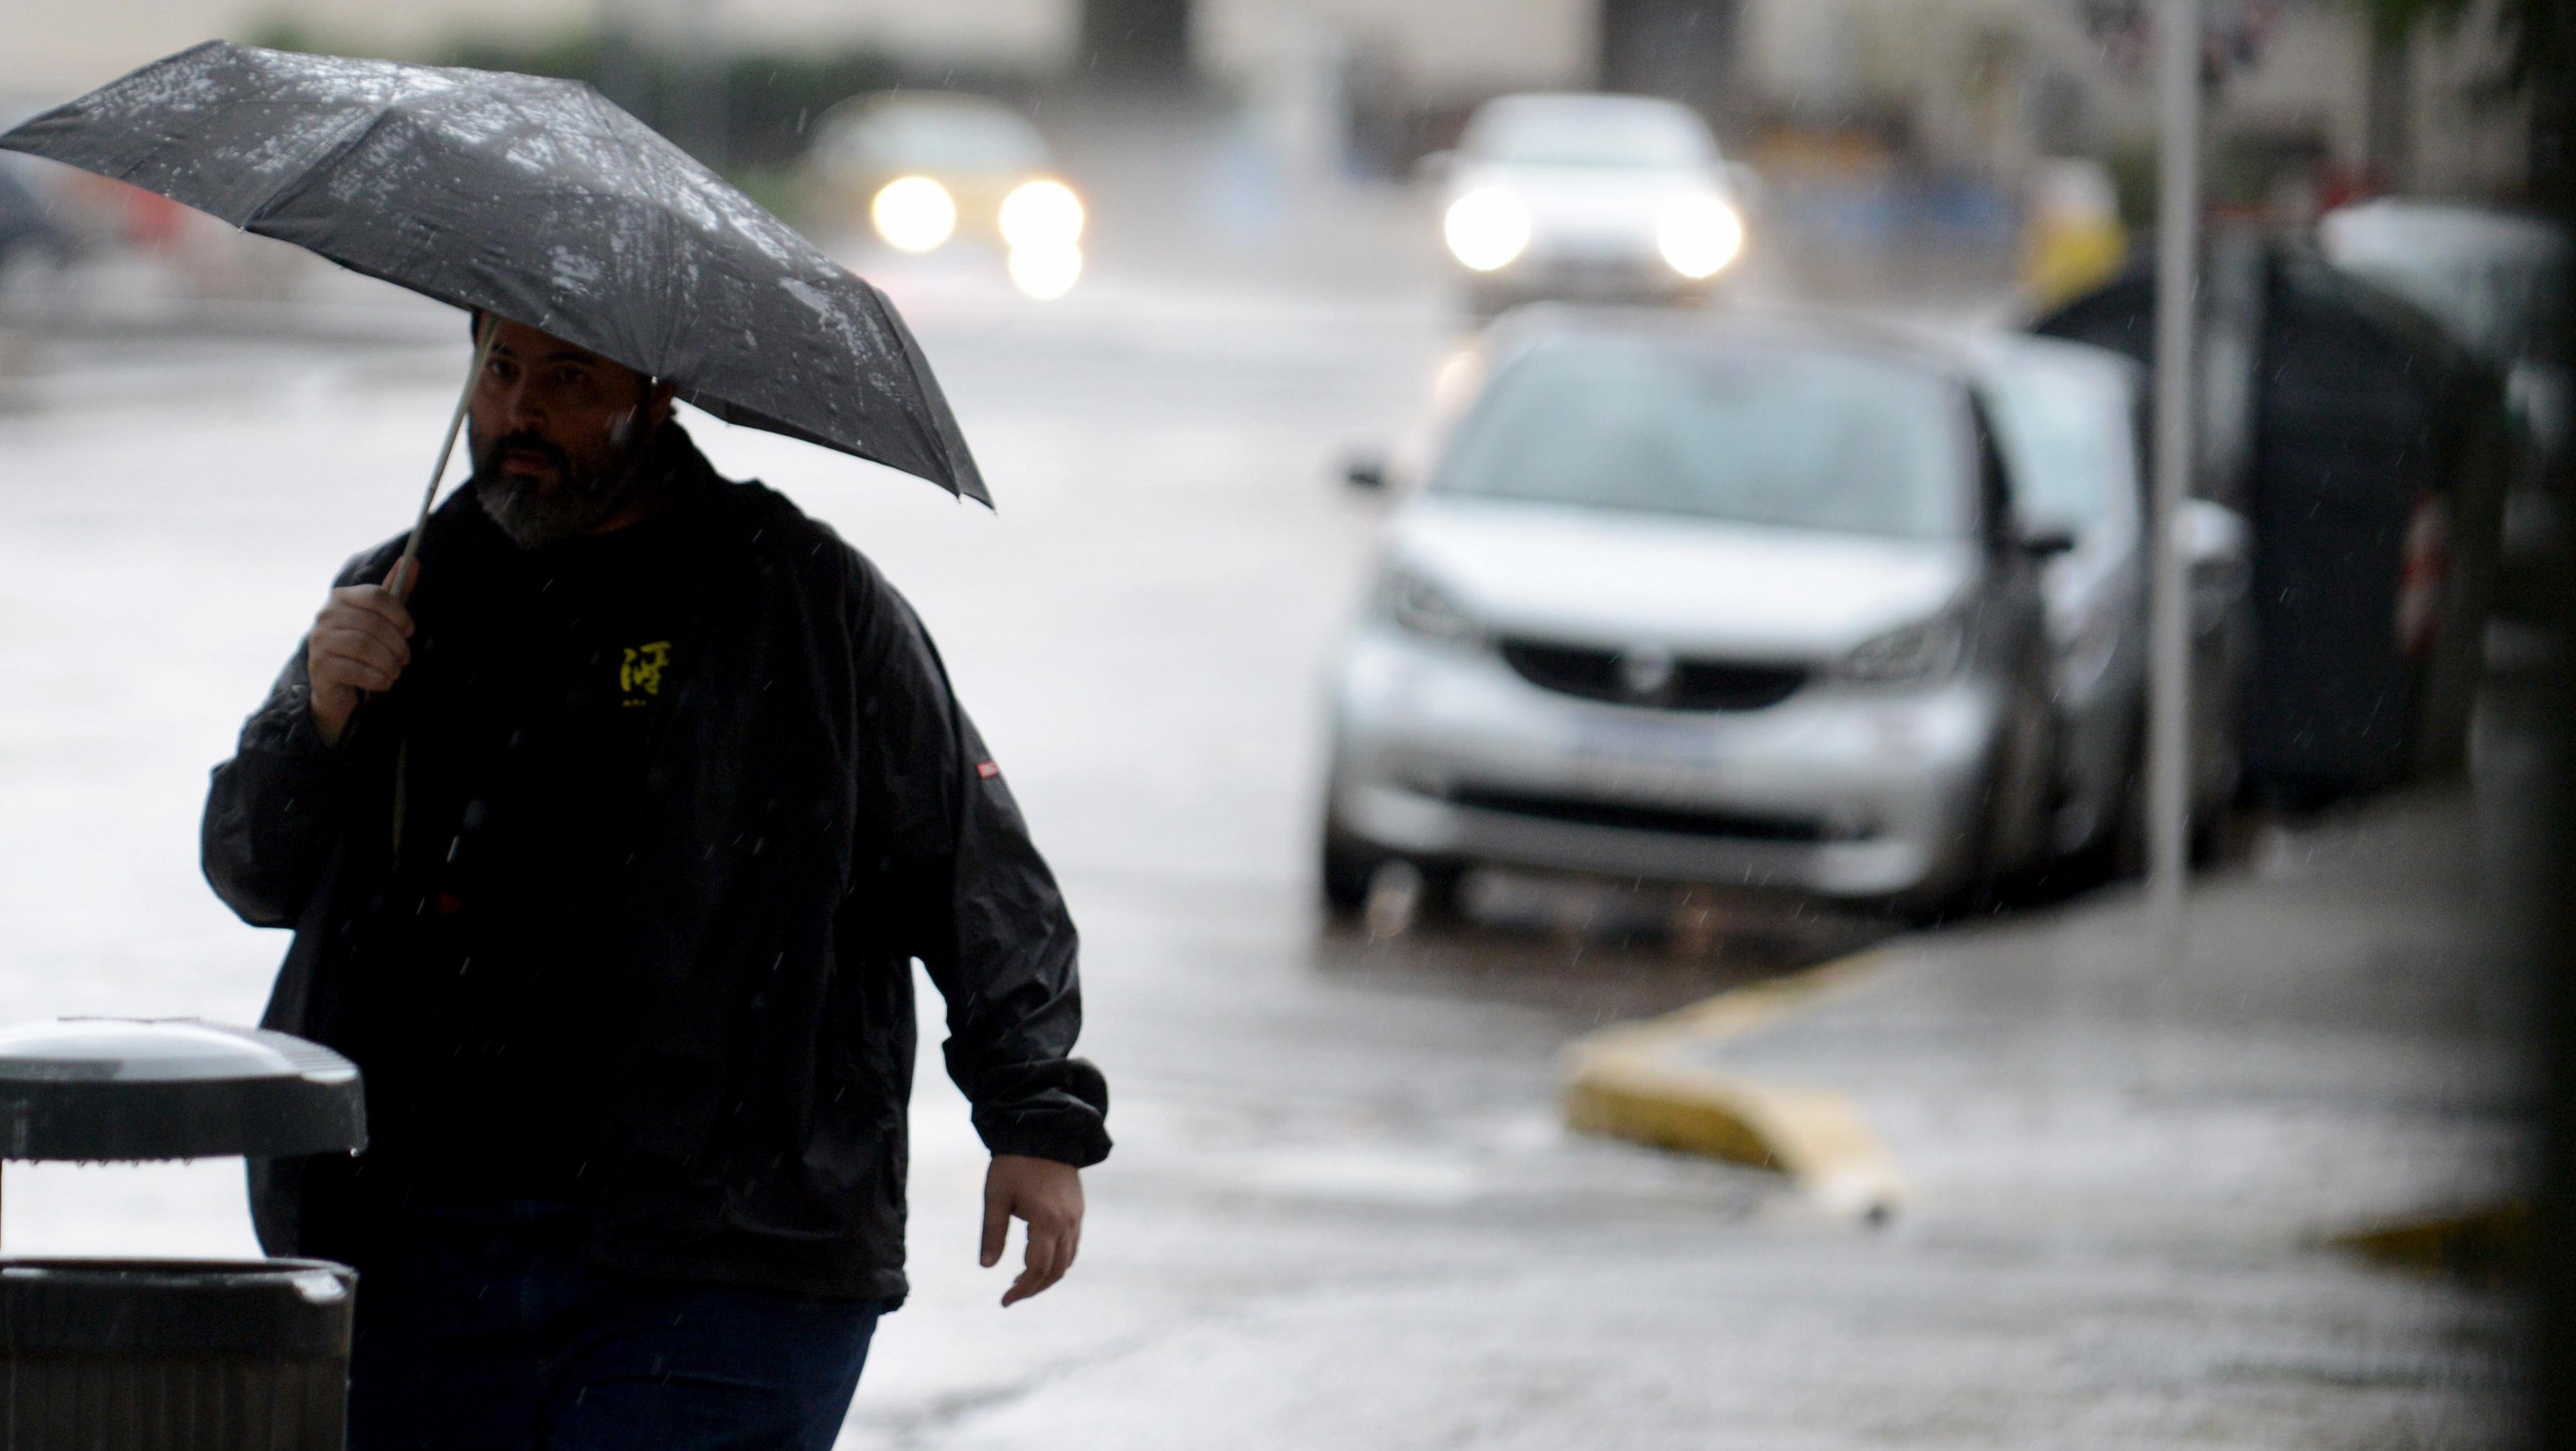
pixel 2048 541
pixel 1365 471
pixel 2217 548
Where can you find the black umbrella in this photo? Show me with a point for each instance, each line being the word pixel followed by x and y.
pixel 532 199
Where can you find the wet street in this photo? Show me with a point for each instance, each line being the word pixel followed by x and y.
pixel 1344 1210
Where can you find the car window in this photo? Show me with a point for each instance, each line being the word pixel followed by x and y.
pixel 2067 439
pixel 1800 438
pixel 1599 136
pixel 943 137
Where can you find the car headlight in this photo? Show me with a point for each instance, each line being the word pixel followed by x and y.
pixel 1041 216
pixel 1421 607
pixel 913 214
pixel 1486 228
pixel 1046 272
pixel 1699 236
pixel 1917 653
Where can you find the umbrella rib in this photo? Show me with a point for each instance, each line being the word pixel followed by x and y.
pixel 316 172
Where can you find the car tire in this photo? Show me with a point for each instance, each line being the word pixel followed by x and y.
pixel 1442 899
pixel 2031 773
pixel 2011 833
pixel 1349 866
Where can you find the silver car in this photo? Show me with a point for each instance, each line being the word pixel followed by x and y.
pixel 1620 198
pixel 2068 418
pixel 1700 600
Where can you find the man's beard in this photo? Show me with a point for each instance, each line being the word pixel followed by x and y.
pixel 536 512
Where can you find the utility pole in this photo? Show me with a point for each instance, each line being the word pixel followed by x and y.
pixel 2178 37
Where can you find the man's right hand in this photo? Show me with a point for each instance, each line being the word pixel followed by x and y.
pixel 360 643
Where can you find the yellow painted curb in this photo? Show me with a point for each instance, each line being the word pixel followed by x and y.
pixel 1620 1083
pixel 2485 1243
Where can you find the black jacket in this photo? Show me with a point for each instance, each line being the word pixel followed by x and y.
pixel 818 813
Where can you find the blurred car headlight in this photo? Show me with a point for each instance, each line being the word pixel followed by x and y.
pixel 1486 228
pixel 1041 215
pixel 1420 606
pixel 913 214
pixel 1915 654
pixel 1046 271
pixel 1699 236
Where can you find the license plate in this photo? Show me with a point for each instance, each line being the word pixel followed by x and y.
pixel 1646 743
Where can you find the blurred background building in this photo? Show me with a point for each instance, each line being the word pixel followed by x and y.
pixel 1982 85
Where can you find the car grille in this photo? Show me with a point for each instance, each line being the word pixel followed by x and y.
pixel 1596 674
pixel 1731 825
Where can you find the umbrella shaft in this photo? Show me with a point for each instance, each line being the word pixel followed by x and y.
pixel 401 575
pixel 455 424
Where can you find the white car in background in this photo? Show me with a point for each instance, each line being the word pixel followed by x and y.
pixel 2068 420
pixel 1700 599
pixel 928 170
pixel 1590 197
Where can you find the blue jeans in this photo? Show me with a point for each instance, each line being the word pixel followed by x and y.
pixel 489 1331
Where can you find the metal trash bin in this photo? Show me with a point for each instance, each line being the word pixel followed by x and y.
pixel 161 1355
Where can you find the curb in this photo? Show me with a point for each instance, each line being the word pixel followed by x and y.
pixel 1649 1083
pixel 2492 1242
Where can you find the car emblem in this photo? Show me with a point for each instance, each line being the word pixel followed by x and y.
pixel 1645 670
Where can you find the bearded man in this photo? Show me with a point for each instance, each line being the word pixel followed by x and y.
pixel 609 840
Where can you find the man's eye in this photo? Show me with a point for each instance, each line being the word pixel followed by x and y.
pixel 572 375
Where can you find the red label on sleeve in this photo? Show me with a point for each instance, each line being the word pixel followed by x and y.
pixel 986 771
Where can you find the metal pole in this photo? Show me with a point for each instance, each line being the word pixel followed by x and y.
pixel 2178 37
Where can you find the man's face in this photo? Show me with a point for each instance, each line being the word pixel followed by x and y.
pixel 554 432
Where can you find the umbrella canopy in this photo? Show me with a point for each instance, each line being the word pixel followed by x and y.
pixel 537 200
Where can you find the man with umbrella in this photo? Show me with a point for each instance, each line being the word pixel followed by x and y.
pixel 611 807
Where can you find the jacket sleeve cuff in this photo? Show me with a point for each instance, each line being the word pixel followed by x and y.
pixel 283 725
pixel 1079 1139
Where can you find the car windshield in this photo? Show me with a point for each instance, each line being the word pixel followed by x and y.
pixel 2068 438
pixel 945 136
pixel 1612 135
pixel 1804 438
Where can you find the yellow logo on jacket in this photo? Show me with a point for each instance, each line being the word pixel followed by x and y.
pixel 640 674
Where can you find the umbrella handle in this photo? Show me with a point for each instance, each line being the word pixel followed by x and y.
pixel 403 567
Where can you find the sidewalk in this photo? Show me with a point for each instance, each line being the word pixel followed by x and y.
pixel 2337 1052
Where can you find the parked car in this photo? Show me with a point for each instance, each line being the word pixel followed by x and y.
pixel 27 234
pixel 1620 198
pixel 2070 420
pixel 1700 599
pixel 927 169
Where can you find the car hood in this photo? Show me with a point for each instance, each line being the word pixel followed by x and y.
pixel 1617 578
pixel 1579 202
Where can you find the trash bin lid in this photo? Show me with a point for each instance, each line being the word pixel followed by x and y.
pixel 162 1310
pixel 135 1088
